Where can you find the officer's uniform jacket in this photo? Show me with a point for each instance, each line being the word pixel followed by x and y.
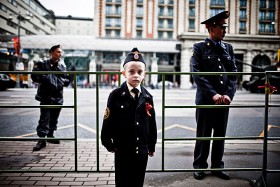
pixel 210 58
pixel 127 126
pixel 50 88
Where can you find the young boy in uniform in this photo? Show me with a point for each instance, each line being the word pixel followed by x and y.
pixel 129 126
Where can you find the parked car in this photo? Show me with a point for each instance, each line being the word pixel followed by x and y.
pixel 259 80
pixel 6 82
pixel 168 84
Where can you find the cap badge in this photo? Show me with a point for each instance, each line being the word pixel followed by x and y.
pixel 136 56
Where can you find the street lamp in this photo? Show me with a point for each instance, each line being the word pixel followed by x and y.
pixel 20 18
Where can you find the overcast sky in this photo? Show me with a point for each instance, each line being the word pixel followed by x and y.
pixel 75 8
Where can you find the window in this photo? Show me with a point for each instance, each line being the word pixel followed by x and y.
pixel 243 3
pixel 270 15
pixel 117 33
pixel 271 4
pixel 165 59
pixel 108 33
pixel 160 34
pixel 242 14
pixel 170 35
pixel 33 5
pixel 108 22
pixel 118 10
pixel 217 3
pixel 170 11
pixel 215 11
pixel 191 24
pixel 191 2
pixel 139 22
pixel 118 22
pixel 139 34
pixel 262 4
pixel 161 11
pixel 160 23
pixel 13 2
pixel 3 7
pixel 112 57
pixel 266 28
pixel 192 11
pixel 109 9
pixel 242 27
pixel 170 23
pixel 139 11
pixel 262 15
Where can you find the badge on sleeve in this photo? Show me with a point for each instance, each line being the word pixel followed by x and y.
pixel 107 113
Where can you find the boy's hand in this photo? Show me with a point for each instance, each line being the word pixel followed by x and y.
pixel 151 154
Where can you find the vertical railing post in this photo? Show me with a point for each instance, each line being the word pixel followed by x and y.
pixel 75 122
pixel 261 181
pixel 163 121
pixel 97 122
pixel 267 92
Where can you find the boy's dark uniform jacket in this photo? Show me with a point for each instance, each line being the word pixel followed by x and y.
pixel 210 58
pixel 125 129
pixel 50 88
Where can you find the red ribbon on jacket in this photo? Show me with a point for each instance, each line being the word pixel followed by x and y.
pixel 148 107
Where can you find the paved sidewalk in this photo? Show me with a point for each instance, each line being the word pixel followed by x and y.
pixel 18 155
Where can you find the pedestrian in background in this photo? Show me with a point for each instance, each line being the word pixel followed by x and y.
pixel 50 92
pixel 213 55
pixel 129 125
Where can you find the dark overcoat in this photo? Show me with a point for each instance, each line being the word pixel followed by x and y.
pixel 129 129
pixel 209 57
pixel 50 89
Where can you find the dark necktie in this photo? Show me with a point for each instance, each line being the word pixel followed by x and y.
pixel 135 91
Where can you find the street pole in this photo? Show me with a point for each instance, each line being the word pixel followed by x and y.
pixel 18 57
pixel 19 64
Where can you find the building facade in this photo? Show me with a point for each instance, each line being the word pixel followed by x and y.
pixel 34 18
pixel 68 25
pixel 253 29
pixel 163 30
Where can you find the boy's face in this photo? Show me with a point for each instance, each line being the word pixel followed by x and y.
pixel 134 72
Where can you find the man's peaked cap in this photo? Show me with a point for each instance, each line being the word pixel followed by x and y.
pixel 218 19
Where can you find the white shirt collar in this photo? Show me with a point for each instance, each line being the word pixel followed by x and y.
pixel 130 87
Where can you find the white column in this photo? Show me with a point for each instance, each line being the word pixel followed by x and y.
pixel 154 68
pixel 31 62
pixel 92 68
pixel 185 67
pixel 248 58
pixel 123 57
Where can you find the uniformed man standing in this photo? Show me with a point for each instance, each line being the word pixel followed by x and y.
pixel 50 92
pixel 129 125
pixel 213 55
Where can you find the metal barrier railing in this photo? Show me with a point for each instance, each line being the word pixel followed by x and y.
pixel 265 138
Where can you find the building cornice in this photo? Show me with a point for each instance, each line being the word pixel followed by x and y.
pixel 231 37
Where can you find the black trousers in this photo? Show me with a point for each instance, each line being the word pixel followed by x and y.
pixel 209 119
pixel 130 169
pixel 48 120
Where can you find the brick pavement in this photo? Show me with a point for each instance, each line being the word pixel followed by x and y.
pixel 19 155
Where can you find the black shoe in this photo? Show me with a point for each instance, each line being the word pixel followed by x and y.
pixel 40 145
pixel 221 175
pixel 198 175
pixel 53 141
